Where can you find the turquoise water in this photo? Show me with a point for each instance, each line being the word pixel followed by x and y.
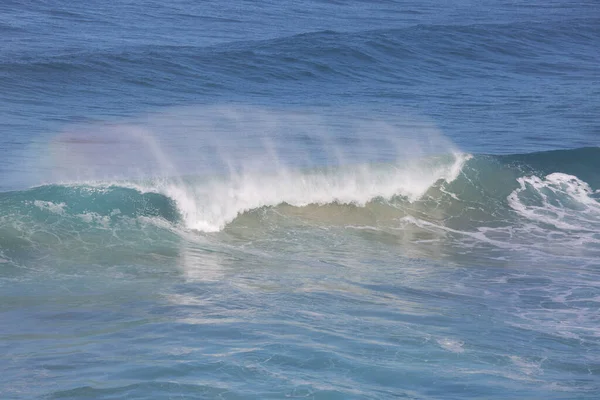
pixel 327 200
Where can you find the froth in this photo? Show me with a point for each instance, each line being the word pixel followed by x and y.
pixel 560 200
pixel 218 162
pixel 209 206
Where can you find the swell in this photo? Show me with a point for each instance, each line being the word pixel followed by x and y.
pixel 85 223
pixel 583 162
pixel 548 202
pixel 388 53
pixel 440 183
pixel 209 204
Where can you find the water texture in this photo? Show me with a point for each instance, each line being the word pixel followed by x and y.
pixel 316 199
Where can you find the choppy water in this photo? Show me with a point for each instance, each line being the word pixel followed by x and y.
pixel 313 199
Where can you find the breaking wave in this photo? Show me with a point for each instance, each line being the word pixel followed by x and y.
pixel 533 201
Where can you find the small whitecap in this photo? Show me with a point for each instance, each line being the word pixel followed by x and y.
pixel 455 346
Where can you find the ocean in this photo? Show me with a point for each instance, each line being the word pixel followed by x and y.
pixel 313 199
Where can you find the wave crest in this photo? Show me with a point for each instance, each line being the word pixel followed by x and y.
pixel 210 206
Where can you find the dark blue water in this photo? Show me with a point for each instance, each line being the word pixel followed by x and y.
pixel 318 199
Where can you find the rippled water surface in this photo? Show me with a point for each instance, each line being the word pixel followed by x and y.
pixel 317 199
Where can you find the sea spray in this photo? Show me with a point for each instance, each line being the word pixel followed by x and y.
pixel 218 162
pixel 212 141
pixel 215 203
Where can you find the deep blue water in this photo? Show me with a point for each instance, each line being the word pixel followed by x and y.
pixel 316 199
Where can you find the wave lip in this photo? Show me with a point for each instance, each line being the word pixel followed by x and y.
pixel 454 201
pixel 209 207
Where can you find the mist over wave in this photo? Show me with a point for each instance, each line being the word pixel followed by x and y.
pixel 218 162
pixel 230 170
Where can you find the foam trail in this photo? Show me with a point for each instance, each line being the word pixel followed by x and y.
pixel 561 200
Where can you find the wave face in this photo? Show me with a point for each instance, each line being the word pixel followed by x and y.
pixel 500 201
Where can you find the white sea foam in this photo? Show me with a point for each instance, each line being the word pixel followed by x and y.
pixel 557 214
pixel 526 366
pixel 453 345
pixel 95 218
pixel 248 158
pixel 209 206
pixel 561 200
pixel 56 208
